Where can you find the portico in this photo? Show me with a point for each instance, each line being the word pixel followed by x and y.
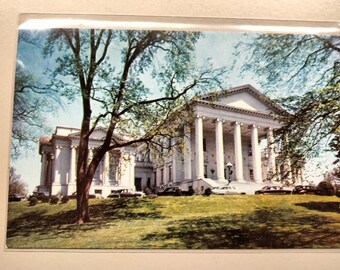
pixel 242 146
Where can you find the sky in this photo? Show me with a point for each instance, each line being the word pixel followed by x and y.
pixel 219 47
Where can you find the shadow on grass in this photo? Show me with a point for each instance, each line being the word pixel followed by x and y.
pixel 262 228
pixel 322 206
pixel 63 224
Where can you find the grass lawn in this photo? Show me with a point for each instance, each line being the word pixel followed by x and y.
pixel 197 222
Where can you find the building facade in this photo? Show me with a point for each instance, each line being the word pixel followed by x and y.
pixel 58 164
pixel 230 139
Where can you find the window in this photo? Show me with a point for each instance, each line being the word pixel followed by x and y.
pixel 98 191
pixel 250 151
pixel 204 145
pixel 96 175
pixel 155 177
pixel 170 173
pixel 251 174
pixel 162 176
pixel 206 171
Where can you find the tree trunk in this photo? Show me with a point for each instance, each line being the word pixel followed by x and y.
pixel 83 214
pixel 83 180
pixel 83 188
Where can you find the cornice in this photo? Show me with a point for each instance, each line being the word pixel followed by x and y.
pixel 233 109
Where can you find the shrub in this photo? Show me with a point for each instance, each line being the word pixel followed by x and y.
pixel 325 188
pixel 54 200
pixel 337 192
pixel 65 199
pixel 33 201
pixel 44 199
pixel 207 192
pixel 191 191
pixel 178 192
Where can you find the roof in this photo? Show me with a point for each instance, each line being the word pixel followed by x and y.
pixel 213 96
pixel 74 133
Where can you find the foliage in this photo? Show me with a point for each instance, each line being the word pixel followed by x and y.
pixel 333 176
pixel 337 192
pixel 325 188
pixel 120 90
pixel 65 199
pixel 32 100
pixel 44 199
pixel 302 71
pixel 33 201
pixel 54 200
pixel 16 184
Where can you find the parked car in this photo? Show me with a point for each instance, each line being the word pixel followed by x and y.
pixel 74 196
pixel 126 193
pixel 307 189
pixel 15 198
pixel 273 190
pixel 175 191
pixel 226 190
pixel 41 196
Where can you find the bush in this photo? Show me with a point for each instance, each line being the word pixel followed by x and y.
pixel 65 199
pixel 178 192
pixel 33 201
pixel 207 192
pixel 44 199
pixel 337 192
pixel 325 188
pixel 191 191
pixel 54 200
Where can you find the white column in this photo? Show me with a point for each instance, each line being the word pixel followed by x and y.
pixel 298 176
pixel 199 148
pixel 287 164
pixel 256 153
pixel 90 156
pixel 279 173
pixel 271 155
pixel 56 169
pixel 302 173
pixel 72 165
pixel 106 170
pixel 123 169
pixel 219 150
pixel 174 166
pixel 127 170
pixel 288 170
pixel 43 169
pixel 238 152
pixel 187 154
pixel 132 164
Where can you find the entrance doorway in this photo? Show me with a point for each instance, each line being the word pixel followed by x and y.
pixel 138 183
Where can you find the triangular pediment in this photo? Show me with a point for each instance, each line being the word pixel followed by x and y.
pixel 98 134
pixel 244 98
pixel 246 101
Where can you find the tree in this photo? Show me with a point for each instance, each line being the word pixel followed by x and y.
pixel 118 86
pixel 303 72
pixel 334 173
pixel 16 184
pixel 32 101
pixel 325 188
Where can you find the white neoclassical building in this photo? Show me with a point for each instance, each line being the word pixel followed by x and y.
pixel 118 168
pixel 230 139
